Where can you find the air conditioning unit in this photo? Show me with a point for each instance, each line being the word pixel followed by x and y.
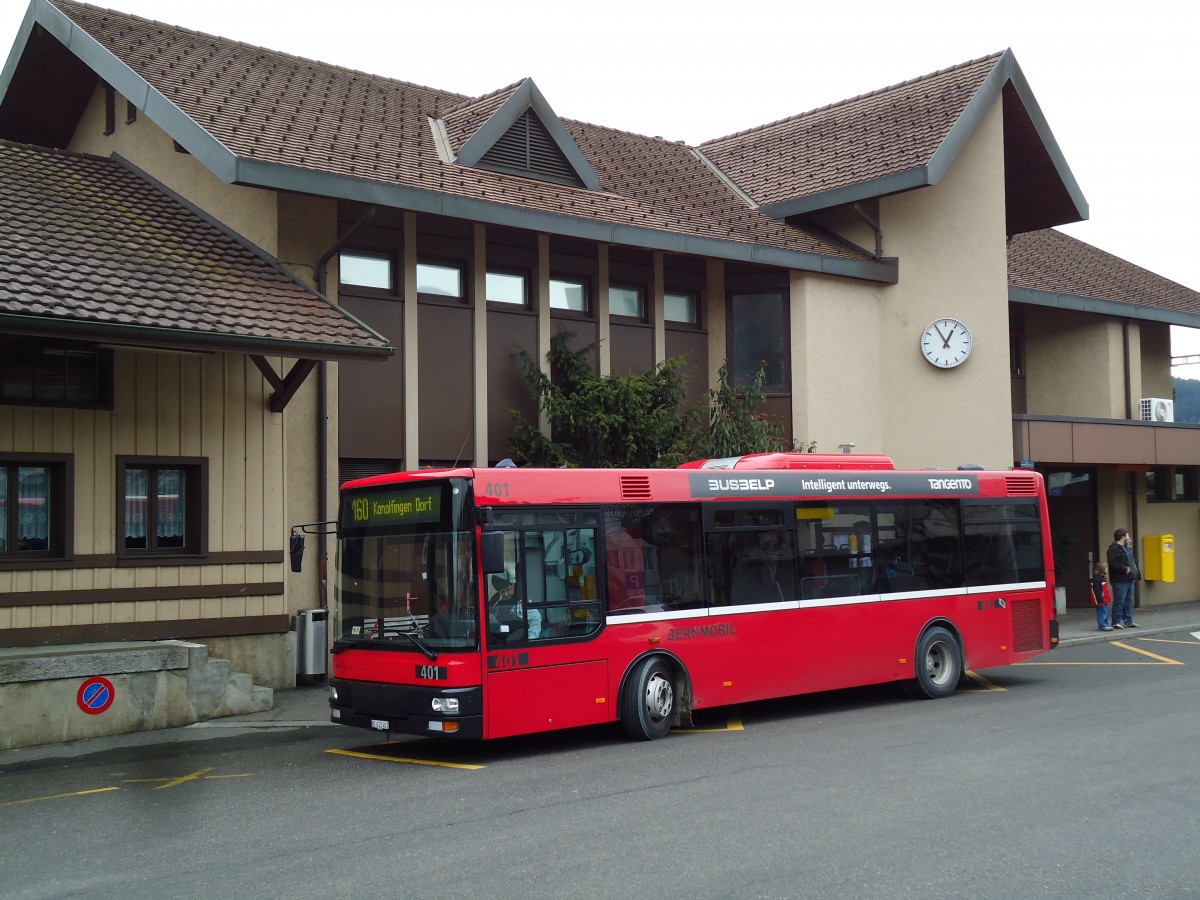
pixel 1158 409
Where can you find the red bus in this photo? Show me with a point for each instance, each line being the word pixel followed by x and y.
pixel 485 603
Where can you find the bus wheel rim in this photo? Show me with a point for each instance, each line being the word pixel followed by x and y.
pixel 938 666
pixel 660 697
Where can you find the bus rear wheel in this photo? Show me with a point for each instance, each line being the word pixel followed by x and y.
pixel 939 665
pixel 649 706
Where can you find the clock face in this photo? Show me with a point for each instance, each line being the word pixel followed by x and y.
pixel 946 343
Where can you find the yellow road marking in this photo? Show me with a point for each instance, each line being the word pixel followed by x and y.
pixel 1163 659
pixel 400 759
pixel 1169 641
pixel 734 724
pixel 59 796
pixel 985 686
pixel 182 779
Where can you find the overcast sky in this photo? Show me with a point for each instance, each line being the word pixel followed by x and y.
pixel 1114 80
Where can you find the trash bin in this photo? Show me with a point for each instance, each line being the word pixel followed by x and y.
pixel 311 625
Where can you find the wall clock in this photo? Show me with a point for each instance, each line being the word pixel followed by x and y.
pixel 946 343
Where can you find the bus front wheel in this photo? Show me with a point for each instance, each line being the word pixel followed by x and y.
pixel 649 706
pixel 939 665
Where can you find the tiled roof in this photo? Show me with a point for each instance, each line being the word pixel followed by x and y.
pixel 90 242
pixel 1052 262
pixel 464 121
pixel 871 136
pixel 272 107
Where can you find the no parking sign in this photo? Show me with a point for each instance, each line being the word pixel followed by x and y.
pixel 95 695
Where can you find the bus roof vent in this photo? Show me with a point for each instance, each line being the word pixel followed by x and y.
pixel 635 487
pixel 1021 485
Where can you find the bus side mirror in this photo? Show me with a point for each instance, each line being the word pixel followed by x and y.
pixel 296 550
pixel 492 550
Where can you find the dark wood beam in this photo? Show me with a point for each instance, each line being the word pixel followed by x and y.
pixel 284 388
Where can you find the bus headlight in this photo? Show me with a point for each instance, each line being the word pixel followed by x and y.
pixel 445 705
pixel 333 697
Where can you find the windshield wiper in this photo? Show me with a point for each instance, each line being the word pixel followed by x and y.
pixel 420 645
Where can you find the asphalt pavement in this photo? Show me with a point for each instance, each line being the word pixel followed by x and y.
pixel 307 706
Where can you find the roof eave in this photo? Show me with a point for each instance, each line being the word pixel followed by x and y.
pixel 188 341
pixel 345 187
pixel 895 183
pixel 1101 306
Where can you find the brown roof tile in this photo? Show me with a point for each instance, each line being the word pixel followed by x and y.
pixel 88 241
pixel 277 108
pixel 871 136
pixel 1053 262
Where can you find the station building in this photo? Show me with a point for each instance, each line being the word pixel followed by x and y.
pixel 232 278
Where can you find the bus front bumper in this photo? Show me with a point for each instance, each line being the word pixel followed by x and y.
pixel 406 709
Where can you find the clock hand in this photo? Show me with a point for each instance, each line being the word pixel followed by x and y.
pixel 946 339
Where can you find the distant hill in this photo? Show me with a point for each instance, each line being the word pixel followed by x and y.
pixel 1187 400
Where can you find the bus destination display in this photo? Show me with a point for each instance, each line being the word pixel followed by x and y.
pixel 421 506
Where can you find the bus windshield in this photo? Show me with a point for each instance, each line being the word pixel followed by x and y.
pixel 391 588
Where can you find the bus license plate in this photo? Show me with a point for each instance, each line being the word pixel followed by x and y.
pixel 380 724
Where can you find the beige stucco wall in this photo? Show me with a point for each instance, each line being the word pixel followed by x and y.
pixel 166 404
pixel 250 212
pixel 1074 364
pixel 866 380
pixel 838 352
pixel 1156 360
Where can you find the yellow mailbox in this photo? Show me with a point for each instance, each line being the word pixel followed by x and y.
pixel 1158 557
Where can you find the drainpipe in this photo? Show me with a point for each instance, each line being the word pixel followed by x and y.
pixel 323 413
pixel 874 226
pixel 1133 476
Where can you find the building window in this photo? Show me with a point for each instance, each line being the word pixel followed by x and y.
pixel 33 506
pixel 369 270
pixel 439 280
pixel 39 372
pixel 507 287
pixel 624 300
pixel 684 308
pixel 570 294
pixel 759 338
pixel 1168 484
pixel 161 505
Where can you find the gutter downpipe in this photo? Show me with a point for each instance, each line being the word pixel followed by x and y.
pixel 1133 492
pixel 323 413
pixel 875 227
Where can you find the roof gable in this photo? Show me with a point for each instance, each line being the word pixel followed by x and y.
pixel 524 136
pixel 903 137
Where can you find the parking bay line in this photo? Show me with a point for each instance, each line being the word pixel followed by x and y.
pixel 104 790
pixel 1161 660
pixel 401 759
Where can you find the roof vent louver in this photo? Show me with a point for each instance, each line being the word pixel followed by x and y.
pixel 527 149
pixel 635 487
pixel 1021 485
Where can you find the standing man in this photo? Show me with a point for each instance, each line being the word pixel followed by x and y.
pixel 1122 573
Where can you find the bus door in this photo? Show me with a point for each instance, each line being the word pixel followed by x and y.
pixel 542 671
